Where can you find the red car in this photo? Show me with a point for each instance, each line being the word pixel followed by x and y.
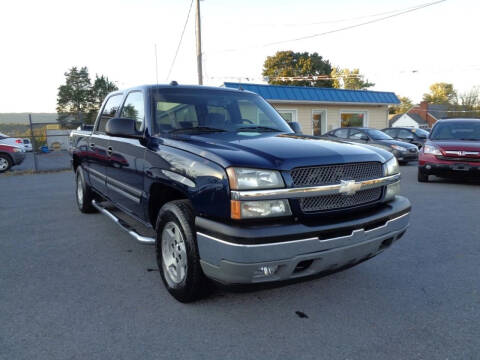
pixel 452 149
pixel 10 155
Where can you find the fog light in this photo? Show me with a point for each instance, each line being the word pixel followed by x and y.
pixel 428 167
pixel 392 190
pixel 266 270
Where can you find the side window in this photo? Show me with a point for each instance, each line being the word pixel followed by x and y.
pixel 356 135
pixel 405 134
pixel 391 132
pixel 109 111
pixel 134 108
pixel 341 133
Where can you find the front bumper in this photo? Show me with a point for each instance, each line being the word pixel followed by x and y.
pixel 406 155
pixel 431 165
pixel 18 157
pixel 234 255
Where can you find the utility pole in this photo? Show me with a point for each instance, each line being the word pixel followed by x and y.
pixel 199 45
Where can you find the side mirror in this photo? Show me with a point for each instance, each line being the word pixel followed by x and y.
pixel 297 129
pixel 122 127
pixel 364 137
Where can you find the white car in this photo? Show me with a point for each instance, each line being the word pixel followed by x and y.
pixel 7 140
pixel 27 144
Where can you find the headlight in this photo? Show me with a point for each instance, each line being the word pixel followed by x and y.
pixel 431 149
pixel 391 167
pixel 17 150
pixel 259 209
pixel 247 179
pixel 398 147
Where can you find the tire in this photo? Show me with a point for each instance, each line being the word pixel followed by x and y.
pixel 422 176
pixel 177 252
pixel 403 162
pixel 5 163
pixel 83 193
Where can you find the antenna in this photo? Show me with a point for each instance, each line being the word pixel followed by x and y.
pixel 156 64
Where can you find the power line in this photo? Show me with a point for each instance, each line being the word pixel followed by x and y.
pixel 342 20
pixel 358 25
pixel 180 42
pixel 419 7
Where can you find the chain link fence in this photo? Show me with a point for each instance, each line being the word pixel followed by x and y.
pixel 45 137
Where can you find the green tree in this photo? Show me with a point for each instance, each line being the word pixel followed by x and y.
pixel 441 93
pixel 302 69
pixel 405 105
pixel 78 101
pixel 349 79
pixel 102 86
pixel 74 97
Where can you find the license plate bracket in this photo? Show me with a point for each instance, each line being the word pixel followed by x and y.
pixel 461 167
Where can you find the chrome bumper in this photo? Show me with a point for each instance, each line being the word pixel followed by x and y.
pixel 233 263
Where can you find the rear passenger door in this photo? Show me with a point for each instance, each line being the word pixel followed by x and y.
pixel 97 156
pixel 126 160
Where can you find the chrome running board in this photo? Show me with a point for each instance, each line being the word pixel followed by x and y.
pixel 124 226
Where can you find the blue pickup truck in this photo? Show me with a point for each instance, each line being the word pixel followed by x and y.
pixel 226 190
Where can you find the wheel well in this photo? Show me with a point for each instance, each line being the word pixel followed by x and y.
pixel 160 194
pixel 76 162
pixel 7 155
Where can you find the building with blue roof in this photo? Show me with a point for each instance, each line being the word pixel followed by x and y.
pixel 319 110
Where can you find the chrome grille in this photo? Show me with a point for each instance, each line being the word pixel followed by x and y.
pixel 339 201
pixel 332 174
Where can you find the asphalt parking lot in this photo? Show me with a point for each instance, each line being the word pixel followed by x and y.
pixel 74 286
pixel 55 160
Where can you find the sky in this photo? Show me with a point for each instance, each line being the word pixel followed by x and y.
pixel 41 40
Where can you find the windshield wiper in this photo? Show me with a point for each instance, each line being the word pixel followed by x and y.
pixel 197 128
pixel 469 139
pixel 257 128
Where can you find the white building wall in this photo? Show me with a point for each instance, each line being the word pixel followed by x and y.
pixel 405 121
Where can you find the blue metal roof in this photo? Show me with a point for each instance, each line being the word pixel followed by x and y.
pixel 303 93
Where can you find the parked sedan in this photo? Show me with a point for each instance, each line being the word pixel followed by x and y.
pixel 411 135
pixel 452 149
pixel 10 156
pixel 7 140
pixel 404 152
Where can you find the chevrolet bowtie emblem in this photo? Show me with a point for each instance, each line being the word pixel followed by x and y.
pixel 349 187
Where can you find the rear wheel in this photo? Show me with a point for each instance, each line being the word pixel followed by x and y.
pixel 84 194
pixel 177 252
pixel 5 163
pixel 422 176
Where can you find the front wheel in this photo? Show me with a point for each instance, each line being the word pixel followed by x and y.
pixel 84 194
pixel 422 176
pixel 177 252
pixel 5 163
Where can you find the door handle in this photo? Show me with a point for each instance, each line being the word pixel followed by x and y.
pixel 109 151
pixel 92 145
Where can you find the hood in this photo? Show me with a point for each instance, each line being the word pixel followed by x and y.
pixel 396 142
pixel 273 150
pixel 456 145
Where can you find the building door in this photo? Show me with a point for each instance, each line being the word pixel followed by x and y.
pixel 319 122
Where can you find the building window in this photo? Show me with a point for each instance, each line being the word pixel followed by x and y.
pixel 288 115
pixel 354 118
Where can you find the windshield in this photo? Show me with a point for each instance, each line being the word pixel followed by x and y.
pixel 378 135
pixel 422 134
pixel 456 130
pixel 186 110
